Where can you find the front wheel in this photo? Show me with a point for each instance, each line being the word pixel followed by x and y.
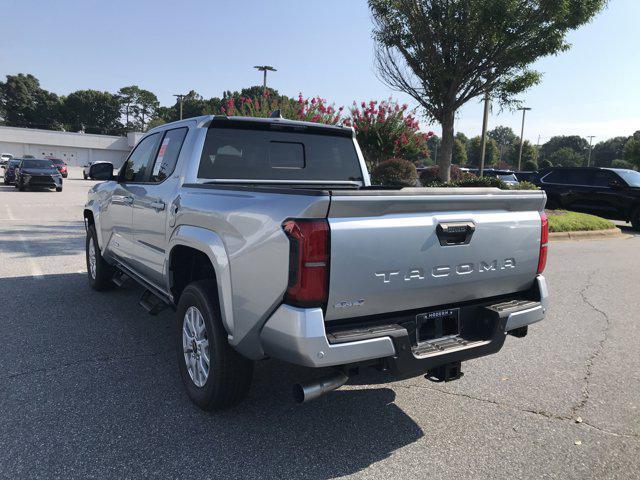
pixel 99 271
pixel 58 189
pixel 214 374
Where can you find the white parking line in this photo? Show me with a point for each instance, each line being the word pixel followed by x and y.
pixel 10 213
pixel 36 272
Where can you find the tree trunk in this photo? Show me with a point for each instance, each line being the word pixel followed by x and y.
pixel 446 146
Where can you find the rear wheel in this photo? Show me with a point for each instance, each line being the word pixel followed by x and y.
pixel 99 271
pixel 21 187
pixel 214 374
pixel 58 189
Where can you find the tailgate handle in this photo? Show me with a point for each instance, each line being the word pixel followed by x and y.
pixel 455 233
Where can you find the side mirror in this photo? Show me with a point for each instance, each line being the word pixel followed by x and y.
pixel 101 171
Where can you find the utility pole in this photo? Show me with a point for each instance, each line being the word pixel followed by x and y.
pixel 485 120
pixel 590 137
pixel 264 69
pixel 524 110
pixel 180 97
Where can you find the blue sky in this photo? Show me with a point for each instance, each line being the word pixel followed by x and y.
pixel 320 47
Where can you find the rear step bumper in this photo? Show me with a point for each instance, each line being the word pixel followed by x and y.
pixel 299 336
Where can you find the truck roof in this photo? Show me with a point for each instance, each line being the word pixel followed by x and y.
pixel 206 120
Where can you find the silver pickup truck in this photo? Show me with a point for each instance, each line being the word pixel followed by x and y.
pixel 267 238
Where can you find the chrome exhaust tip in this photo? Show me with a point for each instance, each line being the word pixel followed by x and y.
pixel 305 392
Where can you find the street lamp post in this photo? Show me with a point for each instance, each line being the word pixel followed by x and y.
pixel 180 96
pixel 264 69
pixel 590 137
pixel 524 110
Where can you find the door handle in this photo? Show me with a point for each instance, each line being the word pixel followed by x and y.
pixel 158 206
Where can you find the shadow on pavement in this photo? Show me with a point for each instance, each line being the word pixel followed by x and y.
pixel 64 238
pixel 103 398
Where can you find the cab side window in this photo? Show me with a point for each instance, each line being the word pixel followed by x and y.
pixel 168 154
pixel 137 168
pixel 603 178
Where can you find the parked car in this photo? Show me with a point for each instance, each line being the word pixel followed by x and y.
pixel 268 239
pixel 60 165
pixel 530 177
pixel 31 172
pixel 10 170
pixel 507 176
pixel 612 193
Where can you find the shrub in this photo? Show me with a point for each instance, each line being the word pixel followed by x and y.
pixel 545 164
pixel 530 165
pixel 618 163
pixel 473 181
pixel 395 172
pixel 430 174
pixel 388 130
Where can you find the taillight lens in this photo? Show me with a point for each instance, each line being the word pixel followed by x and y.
pixel 308 262
pixel 544 240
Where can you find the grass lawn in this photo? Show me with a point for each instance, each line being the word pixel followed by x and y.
pixel 564 221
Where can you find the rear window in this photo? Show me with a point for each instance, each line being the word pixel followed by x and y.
pixel 568 177
pixel 245 154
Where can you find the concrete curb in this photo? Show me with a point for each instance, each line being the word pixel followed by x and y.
pixel 585 234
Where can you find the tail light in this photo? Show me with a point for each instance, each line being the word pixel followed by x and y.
pixel 544 240
pixel 308 262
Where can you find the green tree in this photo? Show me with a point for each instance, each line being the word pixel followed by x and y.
pixel 618 163
pixel 529 166
pixel 475 151
pixel 545 164
pixel 138 106
pixel 24 103
pixel 576 143
pixel 459 152
pixel 566 157
pixel 607 151
pixel 93 111
pixel 632 149
pixel 446 52
pixel 529 153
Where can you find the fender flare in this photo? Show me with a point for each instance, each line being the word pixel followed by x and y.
pixel 94 207
pixel 211 244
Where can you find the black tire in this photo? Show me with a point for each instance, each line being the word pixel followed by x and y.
pixel 635 219
pixel 84 175
pixel 58 189
pixel 230 373
pixel 552 204
pixel 22 188
pixel 101 279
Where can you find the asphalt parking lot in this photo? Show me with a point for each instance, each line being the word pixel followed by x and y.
pixel 90 389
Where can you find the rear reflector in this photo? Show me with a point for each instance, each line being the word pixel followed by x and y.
pixel 544 240
pixel 308 262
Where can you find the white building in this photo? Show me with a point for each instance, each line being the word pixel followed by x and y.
pixel 74 148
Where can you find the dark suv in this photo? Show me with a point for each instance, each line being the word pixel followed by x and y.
pixel 607 192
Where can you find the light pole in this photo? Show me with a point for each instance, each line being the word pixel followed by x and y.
pixel 180 96
pixel 590 137
pixel 264 69
pixel 524 110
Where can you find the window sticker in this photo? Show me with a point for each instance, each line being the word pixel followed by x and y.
pixel 161 152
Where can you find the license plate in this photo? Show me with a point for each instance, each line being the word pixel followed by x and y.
pixel 437 324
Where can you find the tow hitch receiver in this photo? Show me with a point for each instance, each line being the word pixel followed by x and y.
pixel 445 373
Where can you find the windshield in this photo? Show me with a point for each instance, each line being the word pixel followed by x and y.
pixel 13 163
pixel 37 164
pixel 508 178
pixel 630 176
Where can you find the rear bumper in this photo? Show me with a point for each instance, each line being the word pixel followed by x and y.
pixel 299 336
